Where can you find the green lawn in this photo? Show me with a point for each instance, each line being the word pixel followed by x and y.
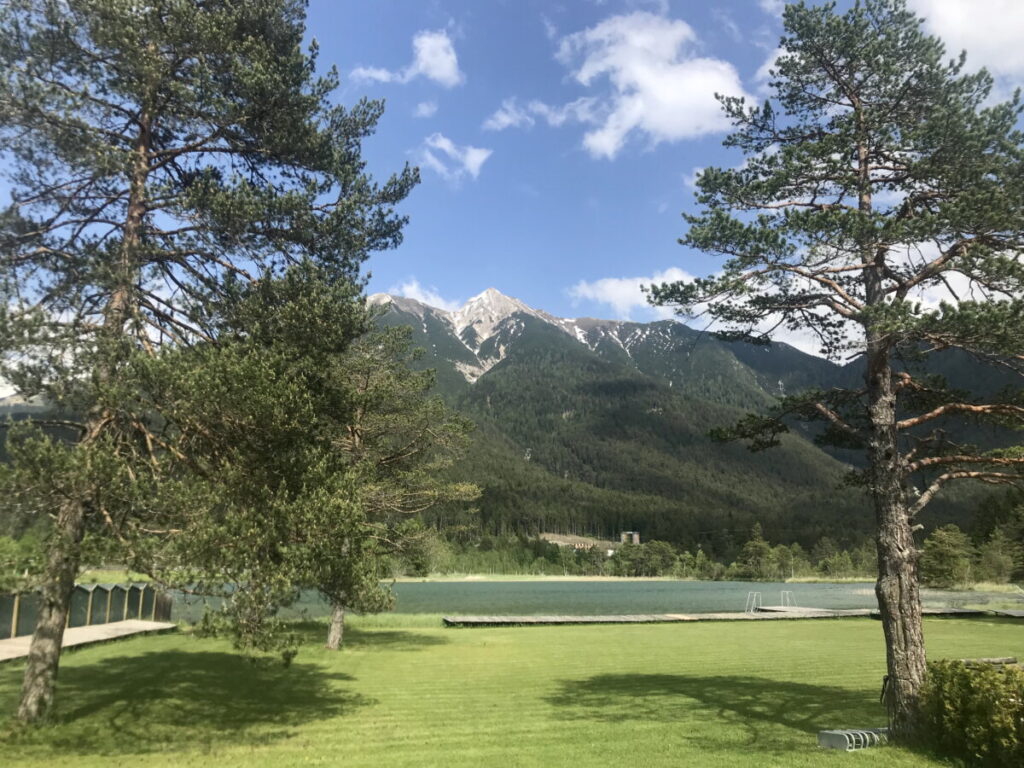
pixel 407 692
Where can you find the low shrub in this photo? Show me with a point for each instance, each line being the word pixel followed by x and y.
pixel 975 713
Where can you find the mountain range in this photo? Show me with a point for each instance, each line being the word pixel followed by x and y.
pixel 595 426
pixel 592 427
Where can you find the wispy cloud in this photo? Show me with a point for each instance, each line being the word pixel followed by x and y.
pixel 989 30
pixel 550 30
pixel 624 295
pixel 727 23
pixel 512 114
pixel 434 58
pixel 647 83
pixel 412 289
pixel 690 179
pixel 425 109
pixel 626 300
pixel 509 115
pixel 772 7
pixel 452 161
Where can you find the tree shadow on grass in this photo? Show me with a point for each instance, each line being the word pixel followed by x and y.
pixel 176 700
pixel 315 633
pixel 753 705
pixel 390 640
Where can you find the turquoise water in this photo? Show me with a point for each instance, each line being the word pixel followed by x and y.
pixel 524 598
pixel 605 597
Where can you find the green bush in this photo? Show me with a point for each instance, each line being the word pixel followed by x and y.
pixel 975 713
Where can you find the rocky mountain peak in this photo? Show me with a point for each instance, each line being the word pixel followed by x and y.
pixel 484 316
pixel 483 313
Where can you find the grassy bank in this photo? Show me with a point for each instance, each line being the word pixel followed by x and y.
pixel 406 692
pixel 459 577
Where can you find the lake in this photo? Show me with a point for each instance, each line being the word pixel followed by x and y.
pixel 511 598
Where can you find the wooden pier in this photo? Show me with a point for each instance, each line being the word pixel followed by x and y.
pixel 17 647
pixel 766 613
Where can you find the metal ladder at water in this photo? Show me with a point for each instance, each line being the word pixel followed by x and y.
pixel 753 602
pixel 786 600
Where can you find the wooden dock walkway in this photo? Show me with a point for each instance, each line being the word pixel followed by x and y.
pixel 645 618
pixel 766 613
pixel 17 647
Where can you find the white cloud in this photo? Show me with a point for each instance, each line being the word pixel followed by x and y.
pixel 583 110
pixel 511 114
pixel 450 160
pixel 690 179
pixel 772 7
pixel 989 30
pixel 659 6
pixel 624 294
pixel 433 57
pixel 508 115
pixel 436 59
pixel 411 289
pixel 726 22
pixel 763 74
pixel 656 87
pixel 625 297
pixel 374 73
pixel 425 109
pixel 550 30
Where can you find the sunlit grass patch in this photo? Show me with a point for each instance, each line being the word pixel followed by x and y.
pixel 407 692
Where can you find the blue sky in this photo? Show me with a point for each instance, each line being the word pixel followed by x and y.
pixel 558 140
pixel 545 188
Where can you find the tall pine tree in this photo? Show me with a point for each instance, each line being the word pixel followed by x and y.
pixel 398 441
pixel 160 155
pixel 878 177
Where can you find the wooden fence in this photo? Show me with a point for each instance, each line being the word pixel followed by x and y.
pixel 90 604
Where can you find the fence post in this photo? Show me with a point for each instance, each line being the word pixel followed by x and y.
pixel 152 616
pixel 142 596
pixel 14 614
pixel 107 619
pixel 124 613
pixel 88 608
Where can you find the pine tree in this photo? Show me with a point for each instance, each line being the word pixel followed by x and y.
pixel 878 175
pixel 161 156
pixel 946 558
pixel 398 439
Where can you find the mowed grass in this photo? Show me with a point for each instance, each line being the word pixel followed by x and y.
pixel 407 692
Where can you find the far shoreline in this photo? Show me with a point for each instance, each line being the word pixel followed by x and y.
pixel 865 580
pixel 490 577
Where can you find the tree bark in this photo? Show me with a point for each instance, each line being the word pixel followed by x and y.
pixel 40 680
pixel 899 601
pixel 899 598
pixel 336 631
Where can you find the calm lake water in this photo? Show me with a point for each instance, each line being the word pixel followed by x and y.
pixel 511 598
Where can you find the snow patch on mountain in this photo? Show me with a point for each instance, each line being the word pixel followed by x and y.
pixel 493 314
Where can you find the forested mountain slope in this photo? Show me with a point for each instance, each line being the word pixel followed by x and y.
pixel 596 426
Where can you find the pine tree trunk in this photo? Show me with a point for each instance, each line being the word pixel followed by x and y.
pixel 899 598
pixel 336 631
pixel 40 680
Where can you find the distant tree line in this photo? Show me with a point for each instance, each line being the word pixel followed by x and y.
pixel 993 552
